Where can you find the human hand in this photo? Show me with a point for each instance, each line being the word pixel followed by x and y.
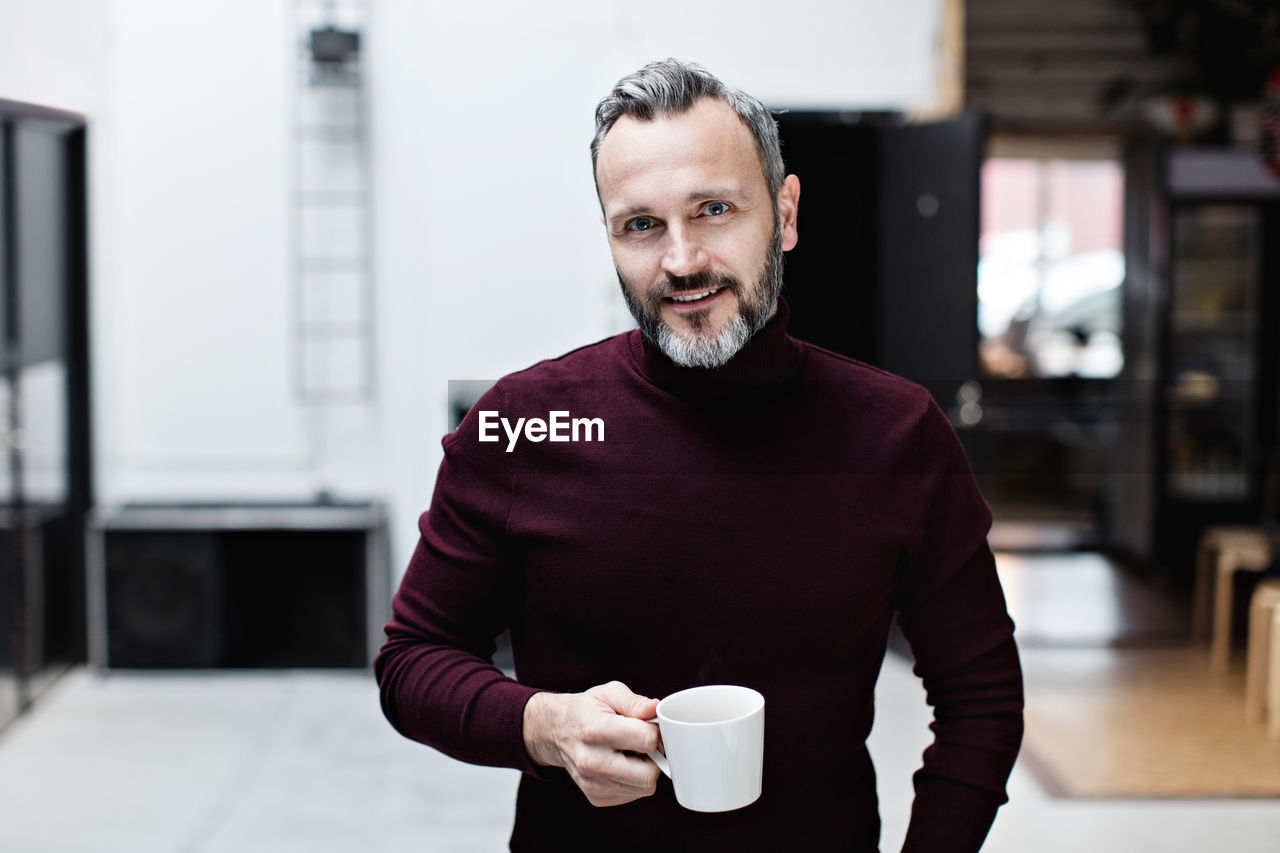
pixel 598 736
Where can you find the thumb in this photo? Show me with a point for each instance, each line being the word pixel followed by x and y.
pixel 619 697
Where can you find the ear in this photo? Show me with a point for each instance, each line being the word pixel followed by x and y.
pixel 788 211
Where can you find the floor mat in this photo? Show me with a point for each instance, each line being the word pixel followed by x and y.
pixel 1143 722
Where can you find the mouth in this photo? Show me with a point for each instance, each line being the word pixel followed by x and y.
pixel 693 299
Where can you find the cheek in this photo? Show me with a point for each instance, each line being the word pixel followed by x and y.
pixel 636 267
pixel 741 255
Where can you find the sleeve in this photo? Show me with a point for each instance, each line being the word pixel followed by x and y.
pixel 952 612
pixel 437 682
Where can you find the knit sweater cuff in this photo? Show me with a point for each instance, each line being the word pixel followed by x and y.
pixel 507 700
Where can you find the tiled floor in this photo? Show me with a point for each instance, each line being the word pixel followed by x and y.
pixel 234 762
pixel 251 763
pixel 17 694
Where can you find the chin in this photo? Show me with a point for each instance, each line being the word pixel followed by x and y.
pixel 714 318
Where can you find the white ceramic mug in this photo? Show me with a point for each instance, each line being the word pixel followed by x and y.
pixel 713 737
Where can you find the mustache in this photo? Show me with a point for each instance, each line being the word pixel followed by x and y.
pixel 701 280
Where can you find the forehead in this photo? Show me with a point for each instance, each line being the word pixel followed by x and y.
pixel 706 145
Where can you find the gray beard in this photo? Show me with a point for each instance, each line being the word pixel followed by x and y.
pixel 699 351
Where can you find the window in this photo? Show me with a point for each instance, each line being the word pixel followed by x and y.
pixel 1051 267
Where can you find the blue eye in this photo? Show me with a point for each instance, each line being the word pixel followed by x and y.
pixel 643 223
pixel 716 208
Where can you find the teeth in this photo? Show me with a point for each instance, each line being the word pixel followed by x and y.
pixel 695 297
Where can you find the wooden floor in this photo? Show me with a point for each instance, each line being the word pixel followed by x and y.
pixel 1120 703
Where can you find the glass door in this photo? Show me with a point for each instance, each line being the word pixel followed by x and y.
pixel 1210 396
pixel 1050 312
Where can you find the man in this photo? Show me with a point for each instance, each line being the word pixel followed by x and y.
pixel 757 510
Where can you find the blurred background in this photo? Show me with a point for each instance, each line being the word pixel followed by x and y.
pixel 257 258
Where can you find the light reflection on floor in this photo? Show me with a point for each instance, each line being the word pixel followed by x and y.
pixel 1087 599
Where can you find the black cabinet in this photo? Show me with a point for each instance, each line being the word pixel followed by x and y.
pixel 238 586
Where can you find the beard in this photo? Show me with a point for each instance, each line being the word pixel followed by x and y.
pixel 698 345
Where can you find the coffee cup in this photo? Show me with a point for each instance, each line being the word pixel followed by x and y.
pixel 713 740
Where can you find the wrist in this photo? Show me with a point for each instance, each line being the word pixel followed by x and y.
pixel 539 729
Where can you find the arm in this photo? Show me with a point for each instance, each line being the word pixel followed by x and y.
pixel 953 613
pixel 437 682
pixel 435 673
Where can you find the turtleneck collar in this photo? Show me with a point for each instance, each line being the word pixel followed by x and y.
pixel 767 360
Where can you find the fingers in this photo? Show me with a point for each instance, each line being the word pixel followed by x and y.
pixel 606 742
pixel 623 728
pixel 608 730
pixel 611 778
pixel 619 697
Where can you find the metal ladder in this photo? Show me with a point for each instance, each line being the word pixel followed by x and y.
pixel 333 293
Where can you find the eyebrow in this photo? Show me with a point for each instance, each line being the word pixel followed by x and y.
pixel 695 196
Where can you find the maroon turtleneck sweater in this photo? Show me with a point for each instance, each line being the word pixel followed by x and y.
pixel 755 524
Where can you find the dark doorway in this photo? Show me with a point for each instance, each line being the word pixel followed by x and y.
pixel 46 488
pixel 885 268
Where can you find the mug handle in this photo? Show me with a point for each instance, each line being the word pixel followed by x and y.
pixel 658 758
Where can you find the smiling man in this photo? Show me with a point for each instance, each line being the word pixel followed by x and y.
pixel 758 513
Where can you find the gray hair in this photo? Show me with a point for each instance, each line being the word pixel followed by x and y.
pixel 671 87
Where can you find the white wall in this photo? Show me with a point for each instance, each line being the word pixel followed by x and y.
pixel 488 255
pixel 54 52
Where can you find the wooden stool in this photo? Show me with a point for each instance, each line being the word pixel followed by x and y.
pixel 1261 666
pixel 1224 550
pixel 1212 541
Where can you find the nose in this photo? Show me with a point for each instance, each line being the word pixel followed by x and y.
pixel 684 253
